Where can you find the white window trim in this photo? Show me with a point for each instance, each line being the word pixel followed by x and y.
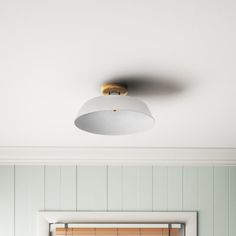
pixel 48 217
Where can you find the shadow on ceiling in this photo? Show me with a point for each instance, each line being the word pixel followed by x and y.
pixel 142 85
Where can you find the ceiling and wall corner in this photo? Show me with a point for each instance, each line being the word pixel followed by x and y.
pixel 56 54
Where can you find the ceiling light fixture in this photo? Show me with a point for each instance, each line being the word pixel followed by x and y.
pixel 114 113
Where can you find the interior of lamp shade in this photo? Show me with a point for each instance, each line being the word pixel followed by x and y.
pixel 109 122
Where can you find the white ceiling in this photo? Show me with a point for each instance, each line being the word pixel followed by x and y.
pixel 55 54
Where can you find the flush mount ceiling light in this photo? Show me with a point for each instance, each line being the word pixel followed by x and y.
pixel 114 113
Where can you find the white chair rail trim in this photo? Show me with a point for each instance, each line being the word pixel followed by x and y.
pixel 117 156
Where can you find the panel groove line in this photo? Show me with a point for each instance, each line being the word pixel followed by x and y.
pixel 52 188
pixel 14 200
pixel 7 199
pixel 232 201
pixel 221 196
pixel 205 199
pixel 137 189
pixel 175 197
pixel 29 198
pixel 115 185
pixel 190 188
pixel 107 188
pixel 228 201
pixel 44 184
pixel 92 188
pixel 213 215
pixel 145 188
pixel 182 203
pixel 68 188
pixel 60 189
pixel 76 187
pixel 152 188
pixel 160 188
pixel 122 187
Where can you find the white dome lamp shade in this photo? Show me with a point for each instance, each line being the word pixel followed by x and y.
pixel 114 113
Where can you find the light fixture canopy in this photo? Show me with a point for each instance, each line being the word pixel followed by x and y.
pixel 114 114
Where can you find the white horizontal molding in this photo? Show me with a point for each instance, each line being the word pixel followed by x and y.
pixel 117 156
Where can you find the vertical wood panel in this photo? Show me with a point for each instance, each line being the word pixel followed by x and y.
pixel 145 188
pixel 60 187
pixel 92 188
pixel 7 200
pixel 29 198
pixel 213 192
pixel 205 201
pixel 221 203
pixel 68 188
pixel 137 188
pixel 115 191
pixel 190 188
pixel 160 188
pixel 130 188
pixel 52 187
pixel 232 201
pixel 175 194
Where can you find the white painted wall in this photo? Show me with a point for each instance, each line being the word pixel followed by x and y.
pixel 27 189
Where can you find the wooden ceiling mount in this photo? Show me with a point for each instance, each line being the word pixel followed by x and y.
pixel 114 88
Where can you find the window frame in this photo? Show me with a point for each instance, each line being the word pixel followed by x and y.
pixel 45 218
